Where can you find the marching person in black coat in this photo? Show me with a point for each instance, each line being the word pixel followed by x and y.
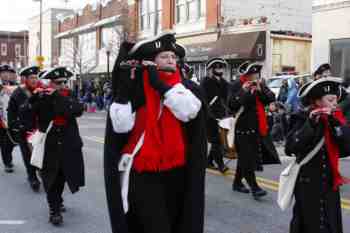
pixel 164 192
pixel 63 158
pixel 21 122
pixel 216 89
pixel 253 143
pixel 6 142
pixel 317 201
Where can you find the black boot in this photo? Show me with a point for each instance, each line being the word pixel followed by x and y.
pixel 223 169
pixel 34 183
pixel 258 193
pixel 240 188
pixel 55 217
pixel 9 168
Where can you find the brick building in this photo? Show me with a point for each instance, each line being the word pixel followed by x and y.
pixel 206 27
pixel 14 48
pixel 87 36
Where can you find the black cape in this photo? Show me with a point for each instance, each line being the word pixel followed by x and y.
pixel 192 219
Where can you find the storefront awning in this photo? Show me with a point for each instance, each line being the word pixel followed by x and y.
pixel 251 45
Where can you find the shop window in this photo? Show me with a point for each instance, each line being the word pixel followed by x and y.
pixel 340 57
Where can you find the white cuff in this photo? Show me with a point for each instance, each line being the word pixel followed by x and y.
pixel 122 117
pixel 182 103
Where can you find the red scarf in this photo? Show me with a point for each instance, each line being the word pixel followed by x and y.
pixel 333 149
pixel 164 142
pixel 260 111
pixel 61 120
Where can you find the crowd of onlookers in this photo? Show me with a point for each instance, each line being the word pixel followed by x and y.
pixel 95 96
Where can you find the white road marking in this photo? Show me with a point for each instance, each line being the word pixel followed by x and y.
pixel 12 222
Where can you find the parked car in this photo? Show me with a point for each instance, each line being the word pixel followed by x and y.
pixel 276 83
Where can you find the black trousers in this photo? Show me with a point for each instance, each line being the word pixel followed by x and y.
pixel 248 175
pixel 54 194
pixel 6 147
pixel 26 156
pixel 216 154
pixel 156 201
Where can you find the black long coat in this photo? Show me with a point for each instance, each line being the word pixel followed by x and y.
pixel 192 219
pixel 317 204
pixel 253 150
pixel 63 147
pixel 212 87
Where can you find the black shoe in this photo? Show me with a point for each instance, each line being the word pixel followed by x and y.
pixel 55 218
pixel 10 165
pixel 240 188
pixel 63 208
pixel 8 169
pixel 34 184
pixel 257 193
pixel 211 165
pixel 223 169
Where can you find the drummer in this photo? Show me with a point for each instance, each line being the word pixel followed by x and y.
pixel 215 88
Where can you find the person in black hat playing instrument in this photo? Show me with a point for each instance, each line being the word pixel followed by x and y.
pixel 21 121
pixel 6 142
pixel 155 144
pixel 253 143
pixel 323 71
pixel 54 107
pixel 216 90
pixel 322 128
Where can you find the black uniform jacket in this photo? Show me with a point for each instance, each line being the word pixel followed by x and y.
pixel 192 218
pixel 63 146
pixel 212 88
pixel 253 149
pixel 317 204
pixel 20 118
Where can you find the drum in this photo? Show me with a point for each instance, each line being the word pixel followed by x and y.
pixel 226 132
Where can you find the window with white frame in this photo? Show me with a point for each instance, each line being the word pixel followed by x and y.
pixel 3 49
pixel 111 37
pixel 67 52
pixel 86 56
pixel 150 13
pixel 187 10
pixel 18 50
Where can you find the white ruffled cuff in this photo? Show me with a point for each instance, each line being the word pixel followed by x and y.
pixel 182 103
pixel 122 117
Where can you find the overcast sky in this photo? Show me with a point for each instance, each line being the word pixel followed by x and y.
pixel 14 14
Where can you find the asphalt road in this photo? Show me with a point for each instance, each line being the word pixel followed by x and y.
pixel 22 211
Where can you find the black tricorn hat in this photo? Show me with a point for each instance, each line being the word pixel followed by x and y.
pixel 249 68
pixel 216 60
pixel 6 68
pixel 29 70
pixel 322 68
pixel 41 73
pixel 317 89
pixel 148 49
pixel 57 73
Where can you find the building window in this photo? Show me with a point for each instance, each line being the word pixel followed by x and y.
pixel 340 57
pixel 150 14
pixel 18 50
pixel 3 49
pixel 187 10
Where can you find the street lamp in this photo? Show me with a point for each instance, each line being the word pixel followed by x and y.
pixel 108 53
pixel 41 23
